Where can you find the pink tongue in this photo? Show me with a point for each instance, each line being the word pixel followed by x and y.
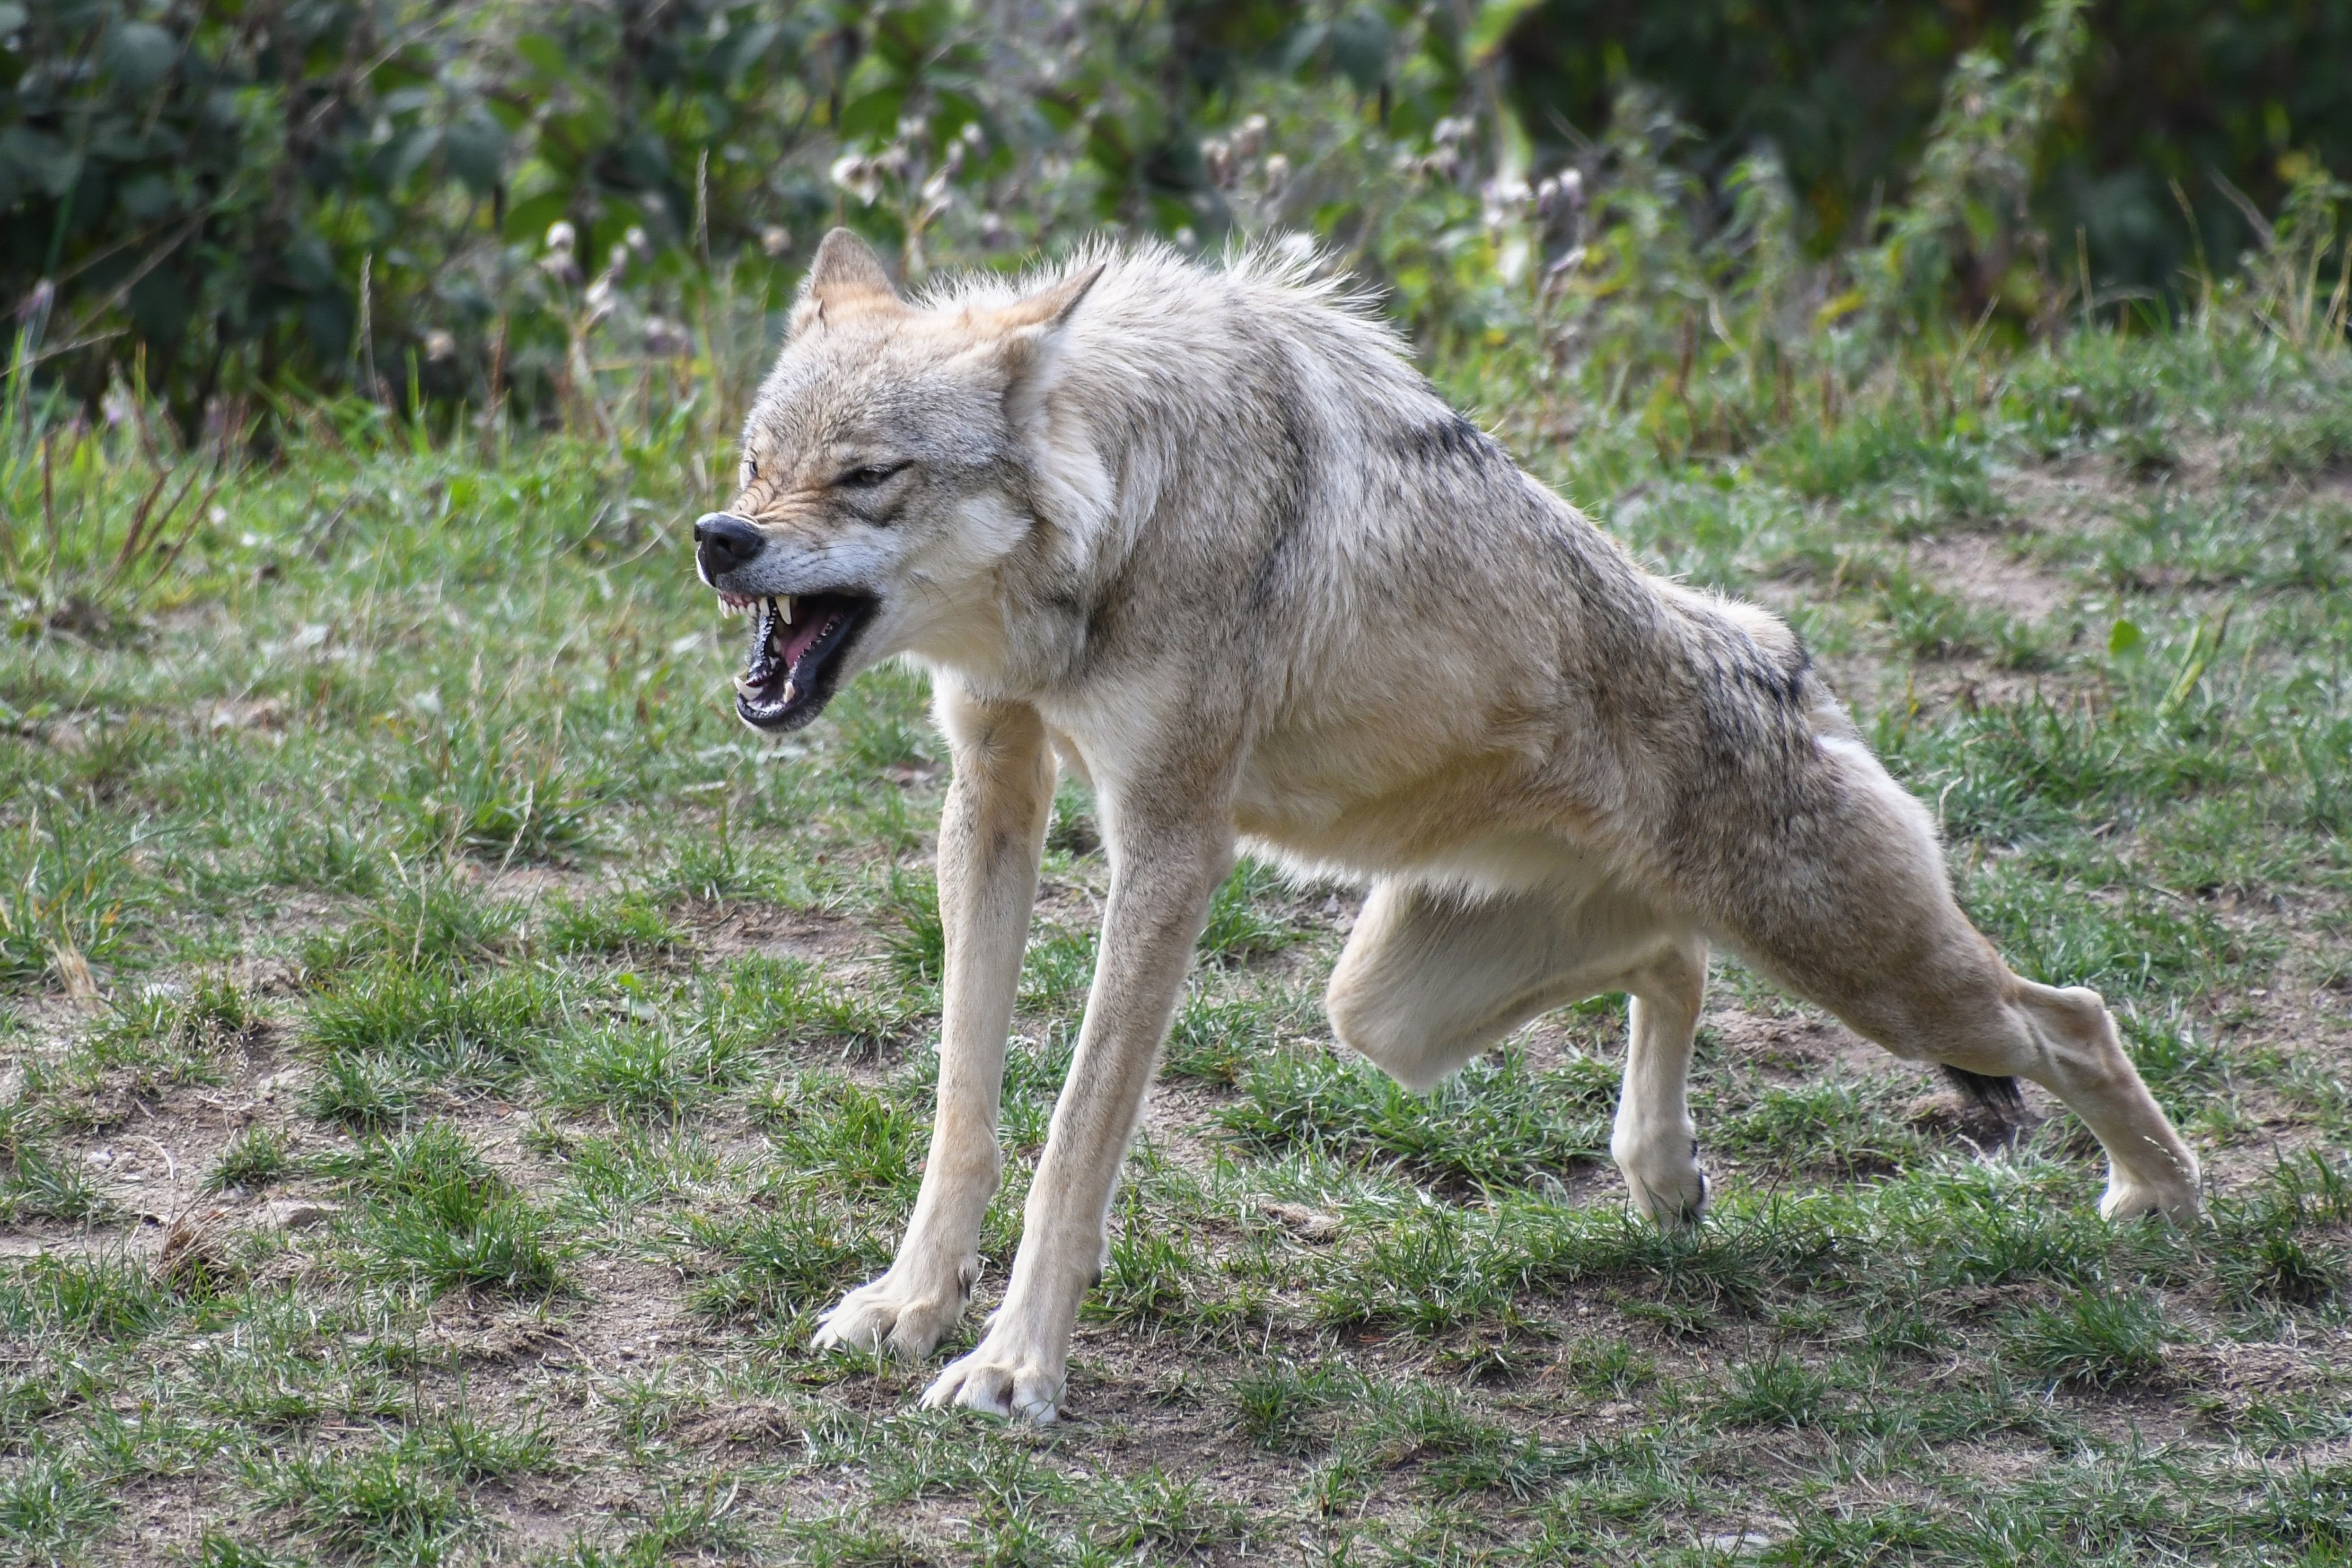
pixel 799 639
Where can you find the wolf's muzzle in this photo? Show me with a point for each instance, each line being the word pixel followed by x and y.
pixel 724 542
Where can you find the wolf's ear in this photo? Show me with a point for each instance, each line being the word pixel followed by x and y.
pixel 1017 334
pixel 1049 307
pixel 846 274
pixel 846 269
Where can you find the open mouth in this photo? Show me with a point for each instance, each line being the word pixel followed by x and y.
pixel 797 643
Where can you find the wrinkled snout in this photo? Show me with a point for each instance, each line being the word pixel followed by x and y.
pixel 724 542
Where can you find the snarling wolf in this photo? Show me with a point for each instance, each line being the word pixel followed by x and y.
pixel 1205 536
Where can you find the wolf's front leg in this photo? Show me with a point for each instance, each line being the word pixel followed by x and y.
pixel 992 831
pixel 1160 883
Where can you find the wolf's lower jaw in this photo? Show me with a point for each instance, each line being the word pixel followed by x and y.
pixel 796 648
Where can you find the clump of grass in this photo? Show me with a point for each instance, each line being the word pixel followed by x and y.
pixel 715 868
pixel 1216 1042
pixel 465 1449
pixel 1282 1406
pixel 1160 1518
pixel 1778 1392
pixel 640 1070
pixel 217 1550
pixel 2274 1264
pixel 35 1184
pixel 1148 1283
pixel 627 927
pixel 500 794
pixel 1832 1125
pixel 782 1263
pixel 1056 968
pixel 2268 1252
pixel 2094 1337
pixel 1429 1275
pixel 381 1504
pixel 49 1506
pixel 330 856
pixel 434 1212
pixel 1460 1453
pixel 1926 621
pixel 1499 1121
pixel 162 1040
pixel 256 1158
pixel 692 1523
pixel 104 1298
pixel 2308 1506
pixel 438 924
pixel 1607 1368
pixel 452 1032
pixel 916 936
pixel 363 1092
pixel 882 724
pixel 757 1003
pixel 1240 925
pixel 68 884
pixel 1073 831
pixel 834 1131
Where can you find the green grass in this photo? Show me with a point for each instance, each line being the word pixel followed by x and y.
pixel 598 1038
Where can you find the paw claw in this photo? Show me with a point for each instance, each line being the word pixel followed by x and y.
pixel 2132 1200
pixel 1671 1190
pixel 997 1383
pixel 882 1316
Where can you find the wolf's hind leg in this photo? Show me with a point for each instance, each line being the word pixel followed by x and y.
pixel 1431 976
pixel 1880 941
pixel 2065 1040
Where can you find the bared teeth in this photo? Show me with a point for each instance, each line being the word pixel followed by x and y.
pixel 788 690
pixel 787 602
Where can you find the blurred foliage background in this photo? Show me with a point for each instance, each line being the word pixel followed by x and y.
pixel 525 210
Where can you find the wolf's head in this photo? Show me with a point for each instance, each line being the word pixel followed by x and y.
pixel 884 478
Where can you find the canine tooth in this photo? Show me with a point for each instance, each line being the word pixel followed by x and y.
pixel 787 602
pixel 788 690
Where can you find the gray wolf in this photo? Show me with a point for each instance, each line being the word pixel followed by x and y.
pixel 1205 536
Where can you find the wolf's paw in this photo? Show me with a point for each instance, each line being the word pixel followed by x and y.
pixel 2131 1198
pixel 1665 1184
pixel 888 1315
pixel 999 1381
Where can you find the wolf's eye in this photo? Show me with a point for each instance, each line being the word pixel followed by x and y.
pixel 867 475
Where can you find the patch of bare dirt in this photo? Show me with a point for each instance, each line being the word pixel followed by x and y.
pixel 735 930
pixel 1989 571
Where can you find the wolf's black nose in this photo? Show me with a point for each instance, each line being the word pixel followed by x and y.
pixel 723 541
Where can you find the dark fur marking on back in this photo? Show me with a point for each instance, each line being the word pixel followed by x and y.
pixel 1297 459
pixel 1784 685
pixel 1451 439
